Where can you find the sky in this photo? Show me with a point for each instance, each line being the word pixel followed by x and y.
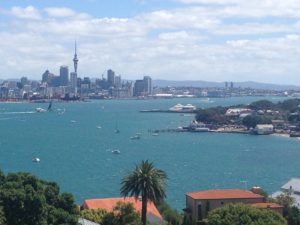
pixel 213 40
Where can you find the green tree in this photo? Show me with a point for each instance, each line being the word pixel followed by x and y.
pixel 262 104
pixel 250 121
pixel 27 200
pixel 95 215
pixel 169 215
pixel 188 220
pixel 145 181
pixel 123 213
pixel 240 214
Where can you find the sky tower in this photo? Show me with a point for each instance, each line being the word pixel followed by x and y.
pixel 75 60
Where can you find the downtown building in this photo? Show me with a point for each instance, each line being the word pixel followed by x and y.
pixel 143 88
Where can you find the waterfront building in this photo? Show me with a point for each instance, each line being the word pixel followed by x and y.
pixel 111 77
pixel 64 75
pixel 153 215
pixel 262 129
pixel 199 203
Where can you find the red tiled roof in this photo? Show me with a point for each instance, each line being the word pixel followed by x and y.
pixel 267 205
pixel 109 203
pixel 223 194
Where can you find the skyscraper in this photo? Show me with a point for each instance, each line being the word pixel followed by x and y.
pixel 73 82
pixel 111 77
pixel 148 85
pixel 64 75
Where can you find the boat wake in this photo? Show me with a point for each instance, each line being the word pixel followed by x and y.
pixel 11 113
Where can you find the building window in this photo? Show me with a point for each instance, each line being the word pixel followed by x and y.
pixel 199 212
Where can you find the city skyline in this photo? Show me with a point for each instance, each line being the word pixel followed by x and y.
pixel 214 40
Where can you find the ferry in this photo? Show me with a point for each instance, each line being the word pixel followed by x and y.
pixel 183 108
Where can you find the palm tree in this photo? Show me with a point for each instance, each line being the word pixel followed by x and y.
pixel 145 181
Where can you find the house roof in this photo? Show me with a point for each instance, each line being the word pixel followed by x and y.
pixel 267 205
pixel 83 221
pixel 223 194
pixel 293 183
pixel 109 203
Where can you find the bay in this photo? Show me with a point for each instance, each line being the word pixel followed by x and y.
pixel 74 144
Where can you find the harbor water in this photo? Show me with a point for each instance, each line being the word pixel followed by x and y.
pixel 75 141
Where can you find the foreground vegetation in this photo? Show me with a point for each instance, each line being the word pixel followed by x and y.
pixel 240 214
pixel 28 200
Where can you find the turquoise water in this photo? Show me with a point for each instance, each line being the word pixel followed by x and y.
pixel 75 148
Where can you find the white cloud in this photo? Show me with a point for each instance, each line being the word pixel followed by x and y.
pixel 28 12
pixel 191 42
pixel 60 12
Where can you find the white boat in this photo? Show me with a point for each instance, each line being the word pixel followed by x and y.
pixel 155 134
pixel 182 108
pixel 136 137
pixel 39 110
pixel 116 151
pixel 37 160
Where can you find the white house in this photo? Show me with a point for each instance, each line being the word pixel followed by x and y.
pixel 264 129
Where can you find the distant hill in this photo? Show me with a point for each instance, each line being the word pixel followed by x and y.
pixel 246 84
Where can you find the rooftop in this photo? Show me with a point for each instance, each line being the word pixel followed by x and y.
pixel 109 203
pixel 223 194
pixel 267 205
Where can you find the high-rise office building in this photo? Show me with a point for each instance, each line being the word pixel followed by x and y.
pixel 64 75
pixel 111 77
pixel 148 85
pixel 118 81
pixel 73 80
pixel 139 88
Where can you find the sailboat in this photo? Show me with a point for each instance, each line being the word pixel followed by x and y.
pixel 49 109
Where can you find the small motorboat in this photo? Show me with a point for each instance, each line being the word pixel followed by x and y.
pixel 155 134
pixel 136 137
pixel 39 110
pixel 36 160
pixel 116 151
